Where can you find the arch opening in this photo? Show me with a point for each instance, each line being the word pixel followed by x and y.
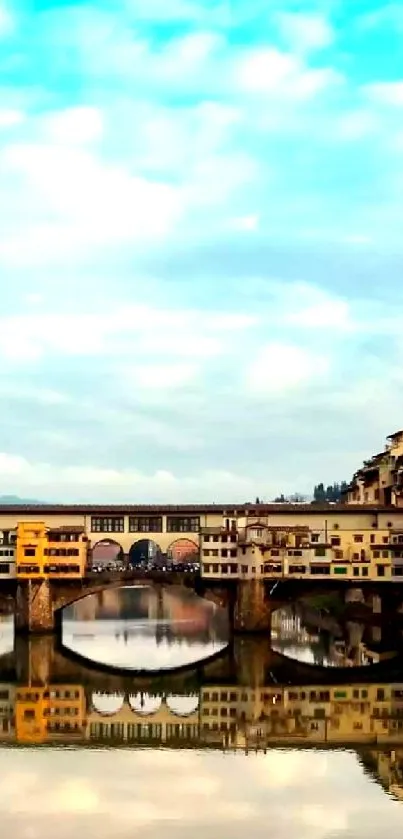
pixel 143 703
pixel 182 706
pixel 107 704
pixel 145 553
pixel 183 552
pixel 107 554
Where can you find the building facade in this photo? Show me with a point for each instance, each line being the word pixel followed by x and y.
pixel 380 479
pixel 355 542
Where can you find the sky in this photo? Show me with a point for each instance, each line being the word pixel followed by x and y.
pixel 200 246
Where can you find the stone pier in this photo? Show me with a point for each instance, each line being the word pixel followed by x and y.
pixel 252 608
pixel 34 607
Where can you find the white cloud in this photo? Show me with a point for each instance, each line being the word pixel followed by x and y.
pixel 270 71
pixel 9 118
pixel 123 331
pixel 97 202
pixel 386 93
pixel 305 32
pixel 74 126
pixel 90 484
pixel 161 376
pixel 279 368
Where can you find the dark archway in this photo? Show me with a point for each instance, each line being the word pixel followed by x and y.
pixel 183 551
pixel 107 553
pixel 145 553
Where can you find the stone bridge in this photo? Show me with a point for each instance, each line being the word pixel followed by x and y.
pixel 250 603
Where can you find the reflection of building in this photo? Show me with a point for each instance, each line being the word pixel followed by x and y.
pixel 42 552
pixel 258 718
pixel 50 712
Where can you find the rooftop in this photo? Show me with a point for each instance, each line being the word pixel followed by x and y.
pixel 314 508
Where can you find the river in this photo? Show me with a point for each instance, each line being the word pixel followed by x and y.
pixel 145 718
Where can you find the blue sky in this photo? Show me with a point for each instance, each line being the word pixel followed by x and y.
pixel 200 246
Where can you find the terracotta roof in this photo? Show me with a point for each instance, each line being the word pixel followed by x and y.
pixel 187 509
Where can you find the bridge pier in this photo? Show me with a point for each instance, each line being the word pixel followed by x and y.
pixel 252 609
pixel 34 607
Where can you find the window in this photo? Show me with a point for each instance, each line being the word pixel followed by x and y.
pixel 338 554
pixel 244 569
pixel 320 551
pixel 224 552
pixel 4 568
pixel 29 551
pixel 297 569
pixel 364 572
pixel 356 556
pixel 385 554
pixel 340 569
pixel 315 537
pixel 233 552
pixel 356 572
pixel 177 524
pixel 320 569
pixel 146 524
pixel 358 537
pixel 335 541
pixel 372 538
pixel 107 524
pixel 380 570
pixel 398 571
pixel 385 540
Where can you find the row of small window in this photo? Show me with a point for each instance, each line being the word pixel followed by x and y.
pixel 221 712
pixel 116 524
pixel 34 696
pixel 224 552
pixel 53 552
pixel 143 730
pixel 7 552
pixel 224 539
pixel 29 713
pixel 323 570
pixel 49 569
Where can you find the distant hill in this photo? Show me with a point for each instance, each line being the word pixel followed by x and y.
pixel 15 499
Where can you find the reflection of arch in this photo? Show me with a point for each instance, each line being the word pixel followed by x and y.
pixel 107 704
pixel 106 551
pixel 145 704
pixel 144 551
pixel 182 706
pixel 183 550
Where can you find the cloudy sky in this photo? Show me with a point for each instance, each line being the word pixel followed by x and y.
pixel 200 245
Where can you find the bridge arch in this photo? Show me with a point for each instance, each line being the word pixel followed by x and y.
pixel 182 706
pixel 106 551
pixel 183 550
pixel 144 703
pixel 107 704
pixel 144 551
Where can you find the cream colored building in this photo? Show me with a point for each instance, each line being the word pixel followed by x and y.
pixel 380 479
pixel 354 542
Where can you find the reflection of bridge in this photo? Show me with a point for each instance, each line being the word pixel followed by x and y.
pixel 243 702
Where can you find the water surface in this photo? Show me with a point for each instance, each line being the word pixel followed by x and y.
pixel 252 741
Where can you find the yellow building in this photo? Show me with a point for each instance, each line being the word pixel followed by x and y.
pixel 50 552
